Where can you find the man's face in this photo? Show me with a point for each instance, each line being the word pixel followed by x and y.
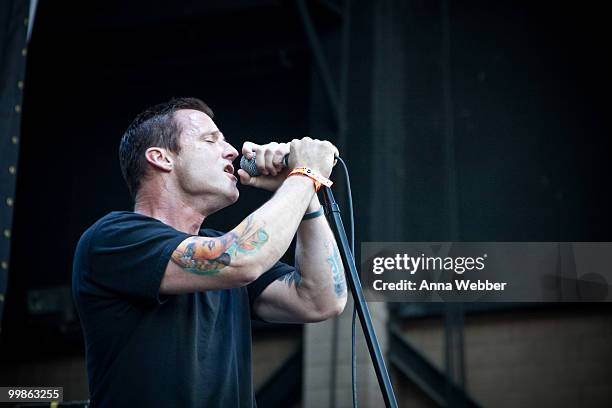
pixel 204 165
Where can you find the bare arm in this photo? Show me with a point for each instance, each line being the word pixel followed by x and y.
pixel 244 253
pixel 317 289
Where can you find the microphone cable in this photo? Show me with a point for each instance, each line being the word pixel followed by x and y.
pixel 354 318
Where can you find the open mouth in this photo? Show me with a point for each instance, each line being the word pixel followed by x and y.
pixel 229 169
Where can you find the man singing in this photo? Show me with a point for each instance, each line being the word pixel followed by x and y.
pixel 166 306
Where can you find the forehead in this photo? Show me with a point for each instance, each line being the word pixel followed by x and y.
pixel 194 122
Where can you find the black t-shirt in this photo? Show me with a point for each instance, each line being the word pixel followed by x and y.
pixel 146 349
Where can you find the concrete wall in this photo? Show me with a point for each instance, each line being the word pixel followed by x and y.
pixel 326 386
pixel 525 359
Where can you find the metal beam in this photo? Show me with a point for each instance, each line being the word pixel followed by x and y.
pixel 427 377
pixel 13 45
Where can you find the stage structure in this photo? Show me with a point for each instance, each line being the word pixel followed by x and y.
pixel 14 23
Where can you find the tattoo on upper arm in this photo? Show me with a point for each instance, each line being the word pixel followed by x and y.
pixel 207 256
pixel 337 271
pixel 292 278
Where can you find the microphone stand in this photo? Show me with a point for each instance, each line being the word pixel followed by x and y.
pixel 332 212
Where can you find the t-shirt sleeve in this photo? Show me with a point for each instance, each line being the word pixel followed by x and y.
pixel 255 288
pixel 128 255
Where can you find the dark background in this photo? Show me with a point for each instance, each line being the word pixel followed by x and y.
pixel 492 126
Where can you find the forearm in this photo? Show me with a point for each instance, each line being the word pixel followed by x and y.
pixel 279 218
pixel 245 252
pixel 322 282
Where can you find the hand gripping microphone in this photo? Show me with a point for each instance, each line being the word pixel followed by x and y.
pixel 251 168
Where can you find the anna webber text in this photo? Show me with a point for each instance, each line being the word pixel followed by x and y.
pixel 424 285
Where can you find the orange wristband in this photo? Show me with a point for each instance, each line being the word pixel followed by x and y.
pixel 316 178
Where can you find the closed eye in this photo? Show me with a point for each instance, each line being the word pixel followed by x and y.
pixel 213 137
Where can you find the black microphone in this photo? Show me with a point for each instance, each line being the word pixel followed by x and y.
pixel 250 167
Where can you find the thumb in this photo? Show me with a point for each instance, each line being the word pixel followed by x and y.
pixel 247 180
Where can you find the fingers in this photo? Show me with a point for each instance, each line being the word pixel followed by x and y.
pixel 269 157
pixel 263 182
pixel 316 154
pixel 328 145
pixel 245 179
pixel 260 162
pixel 248 148
pixel 277 161
pixel 334 149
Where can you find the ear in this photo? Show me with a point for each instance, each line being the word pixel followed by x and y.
pixel 159 158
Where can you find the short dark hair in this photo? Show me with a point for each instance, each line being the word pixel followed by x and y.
pixel 155 126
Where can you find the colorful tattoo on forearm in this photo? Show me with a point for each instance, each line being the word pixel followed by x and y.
pixel 337 271
pixel 207 256
pixel 293 278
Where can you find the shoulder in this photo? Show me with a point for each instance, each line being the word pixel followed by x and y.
pixel 124 219
pixel 120 228
pixel 116 218
pixel 108 219
pixel 124 222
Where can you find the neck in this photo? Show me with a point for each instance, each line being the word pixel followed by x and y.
pixel 176 213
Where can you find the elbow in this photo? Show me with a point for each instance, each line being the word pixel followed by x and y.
pixel 328 311
pixel 339 307
pixel 247 274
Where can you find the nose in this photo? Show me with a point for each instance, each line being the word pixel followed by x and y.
pixel 230 153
